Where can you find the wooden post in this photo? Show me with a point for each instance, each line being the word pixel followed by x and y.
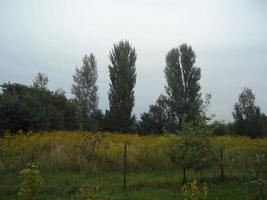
pixel 124 166
pixel 221 164
pixel 184 175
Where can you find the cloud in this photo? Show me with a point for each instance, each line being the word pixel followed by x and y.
pixel 229 38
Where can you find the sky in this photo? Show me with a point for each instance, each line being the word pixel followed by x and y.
pixel 229 39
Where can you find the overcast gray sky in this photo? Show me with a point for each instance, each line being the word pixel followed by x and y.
pixel 51 36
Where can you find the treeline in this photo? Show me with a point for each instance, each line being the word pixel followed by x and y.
pixel 37 108
pixel 29 108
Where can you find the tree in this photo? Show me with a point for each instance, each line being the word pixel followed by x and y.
pixel 28 108
pixel 183 88
pixel 85 89
pixel 264 123
pixel 40 81
pixel 192 151
pixel 122 74
pixel 203 116
pixel 221 128
pixel 158 119
pixel 14 113
pixel 248 117
pixel 154 121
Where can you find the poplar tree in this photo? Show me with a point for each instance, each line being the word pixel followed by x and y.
pixel 84 89
pixel 122 74
pixel 183 88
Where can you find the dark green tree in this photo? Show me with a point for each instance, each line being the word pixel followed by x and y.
pixel 122 74
pixel 264 123
pixel 158 119
pixel 40 81
pixel 29 108
pixel 248 117
pixel 85 89
pixel 221 128
pixel 183 88
pixel 154 121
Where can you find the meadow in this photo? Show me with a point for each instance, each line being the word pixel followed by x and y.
pixel 68 161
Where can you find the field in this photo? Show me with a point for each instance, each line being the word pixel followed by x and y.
pixel 69 160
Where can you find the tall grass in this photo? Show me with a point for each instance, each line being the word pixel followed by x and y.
pixel 88 151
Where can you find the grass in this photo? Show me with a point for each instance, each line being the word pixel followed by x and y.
pixel 67 161
pixel 153 185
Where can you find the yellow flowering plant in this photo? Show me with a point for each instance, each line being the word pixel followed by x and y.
pixel 194 191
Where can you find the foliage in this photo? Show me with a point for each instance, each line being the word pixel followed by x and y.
pixel 195 191
pixel 96 121
pixel 156 185
pixel 203 117
pixel 31 183
pixel 89 193
pixel 85 89
pixel 122 74
pixel 157 120
pixel 67 151
pixel 221 128
pixel 182 102
pixel 89 148
pixel 28 108
pixel 40 81
pixel 64 158
pixel 192 151
pixel 248 117
pixel 257 189
pixel 183 88
pixel 256 166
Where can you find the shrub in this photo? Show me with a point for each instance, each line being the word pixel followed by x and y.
pixel 89 148
pixel 257 189
pixel 89 193
pixel 194 191
pixel 193 151
pixel 221 128
pixel 256 167
pixel 31 183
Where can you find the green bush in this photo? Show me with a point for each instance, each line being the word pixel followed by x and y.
pixel 31 183
pixel 194 191
pixel 89 193
pixel 192 151
pixel 256 168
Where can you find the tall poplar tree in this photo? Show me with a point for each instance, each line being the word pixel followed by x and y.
pixel 122 74
pixel 84 89
pixel 183 88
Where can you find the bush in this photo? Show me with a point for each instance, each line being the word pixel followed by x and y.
pixel 193 151
pixel 89 193
pixel 31 183
pixel 257 189
pixel 220 128
pixel 194 191
pixel 256 167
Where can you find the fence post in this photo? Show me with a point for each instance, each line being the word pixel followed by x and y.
pixel 184 175
pixel 124 166
pixel 221 164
